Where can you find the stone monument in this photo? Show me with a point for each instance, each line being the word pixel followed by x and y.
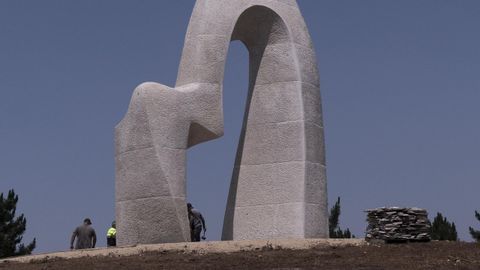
pixel 278 186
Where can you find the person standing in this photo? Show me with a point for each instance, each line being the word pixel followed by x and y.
pixel 85 235
pixel 196 223
pixel 112 236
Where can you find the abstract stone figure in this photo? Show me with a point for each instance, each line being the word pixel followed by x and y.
pixel 278 187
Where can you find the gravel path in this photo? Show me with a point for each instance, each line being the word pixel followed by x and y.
pixel 201 248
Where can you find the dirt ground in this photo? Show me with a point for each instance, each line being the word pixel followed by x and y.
pixel 432 255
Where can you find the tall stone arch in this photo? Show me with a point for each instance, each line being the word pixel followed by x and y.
pixel 278 187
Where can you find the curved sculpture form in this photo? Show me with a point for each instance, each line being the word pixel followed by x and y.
pixel 278 187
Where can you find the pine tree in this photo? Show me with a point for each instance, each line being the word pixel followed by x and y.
pixel 333 223
pixel 12 229
pixel 442 229
pixel 475 234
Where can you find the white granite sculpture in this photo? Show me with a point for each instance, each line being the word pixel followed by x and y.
pixel 278 187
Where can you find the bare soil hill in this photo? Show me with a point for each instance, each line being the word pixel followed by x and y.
pixel 285 254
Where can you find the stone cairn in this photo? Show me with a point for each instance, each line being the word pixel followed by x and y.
pixel 396 224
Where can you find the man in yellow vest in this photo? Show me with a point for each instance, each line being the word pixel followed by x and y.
pixel 112 236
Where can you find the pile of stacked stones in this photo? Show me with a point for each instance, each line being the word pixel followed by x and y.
pixel 396 224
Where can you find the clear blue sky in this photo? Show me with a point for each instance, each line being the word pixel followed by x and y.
pixel 400 86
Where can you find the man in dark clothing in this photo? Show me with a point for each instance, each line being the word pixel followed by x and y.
pixel 196 223
pixel 85 234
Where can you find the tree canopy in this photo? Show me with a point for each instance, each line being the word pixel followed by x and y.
pixel 12 229
pixel 442 229
pixel 475 234
pixel 333 223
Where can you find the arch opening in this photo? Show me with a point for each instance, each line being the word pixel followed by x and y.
pixel 216 170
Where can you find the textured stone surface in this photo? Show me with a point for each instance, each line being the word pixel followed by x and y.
pixel 398 224
pixel 278 187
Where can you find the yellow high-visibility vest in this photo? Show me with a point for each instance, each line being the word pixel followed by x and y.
pixel 111 232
